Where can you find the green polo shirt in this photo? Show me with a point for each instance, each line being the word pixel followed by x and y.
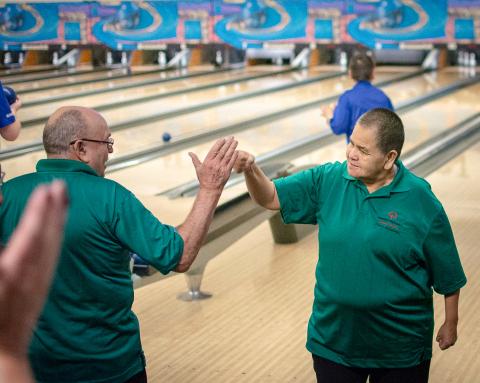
pixel 380 256
pixel 87 331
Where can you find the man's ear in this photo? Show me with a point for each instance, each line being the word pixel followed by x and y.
pixel 79 149
pixel 391 156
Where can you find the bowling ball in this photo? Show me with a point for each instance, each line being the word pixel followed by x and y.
pixel 166 137
pixel 138 261
pixel 10 94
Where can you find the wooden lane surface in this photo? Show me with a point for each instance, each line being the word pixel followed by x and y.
pixel 420 125
pixel 457 186
pixel 61 72
pixel 61 80
pixel 108 83
pixel 137 110
pixel 20 70
pixel 150 134
pixel 176 168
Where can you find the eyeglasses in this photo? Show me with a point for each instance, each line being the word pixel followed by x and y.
pixel 109 142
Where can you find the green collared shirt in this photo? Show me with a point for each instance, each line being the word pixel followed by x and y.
pixel 380 256
pixel 87 331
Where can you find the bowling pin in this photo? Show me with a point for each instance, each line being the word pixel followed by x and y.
pixel 473 60
pixel 343 60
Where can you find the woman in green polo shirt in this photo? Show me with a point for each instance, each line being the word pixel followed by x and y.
pixel 385 244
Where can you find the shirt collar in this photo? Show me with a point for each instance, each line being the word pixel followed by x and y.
pixel 363 83
pixel 345 173
pixel 60 165
pixel 398 185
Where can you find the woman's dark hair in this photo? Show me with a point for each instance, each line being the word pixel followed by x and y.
pixel 390 132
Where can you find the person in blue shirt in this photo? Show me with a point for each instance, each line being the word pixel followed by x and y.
pixel 356 101
pixel 9 124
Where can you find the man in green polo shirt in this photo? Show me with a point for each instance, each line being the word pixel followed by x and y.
pixel 87 331
pixel 384 243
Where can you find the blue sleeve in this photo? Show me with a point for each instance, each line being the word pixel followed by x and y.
pixel 390 105
pixel 6 115
pixel 341 116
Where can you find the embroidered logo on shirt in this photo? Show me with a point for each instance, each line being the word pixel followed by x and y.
pixel 393 215
pixel 388 225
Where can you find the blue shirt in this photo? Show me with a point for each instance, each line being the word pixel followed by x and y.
pixel 355 102
pixel 6 115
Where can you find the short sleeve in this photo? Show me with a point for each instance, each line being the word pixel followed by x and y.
pixel 298 196
pixel 340 122
pixel 390 105
pixel 6 115
pixel 142 233
pixel 446 270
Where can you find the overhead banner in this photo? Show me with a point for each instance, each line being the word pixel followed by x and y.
pixel 127 25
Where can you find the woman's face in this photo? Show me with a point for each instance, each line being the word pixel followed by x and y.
pixel 365 160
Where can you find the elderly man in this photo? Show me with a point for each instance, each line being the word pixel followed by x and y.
pixel 87 331
pixel 385 242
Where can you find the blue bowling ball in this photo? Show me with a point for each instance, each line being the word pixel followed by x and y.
pixel 10 94
pixel 139 261
pixel 166 137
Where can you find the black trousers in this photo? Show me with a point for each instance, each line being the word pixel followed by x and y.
pixel 141 377
pixel 331 372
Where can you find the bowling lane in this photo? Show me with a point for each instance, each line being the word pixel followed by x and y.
pixel 143 90
pixel 150 107
pixel 147 135
pixel 190 124
pixel 61 80
pixel 181 101
pixel 21 165
pixel 420 125
pixel 457 186
pixel 107 83
pixel 9 72
pixel 214 118
pixel 139 137
pixel 176 168
pixel 101 75
pixel 125 113
pixel 61 72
